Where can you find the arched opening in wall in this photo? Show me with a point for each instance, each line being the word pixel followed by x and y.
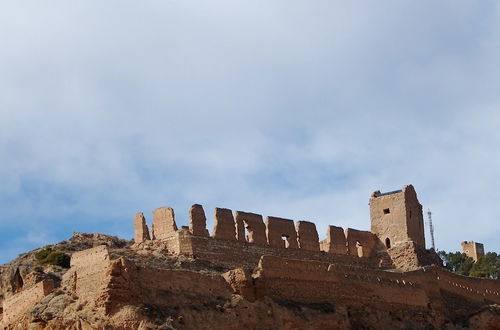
pixel 359 247
pixel 285 238
pixel 18 282
pixel 388 243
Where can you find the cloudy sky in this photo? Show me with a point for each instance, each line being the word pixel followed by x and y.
pixel 297 109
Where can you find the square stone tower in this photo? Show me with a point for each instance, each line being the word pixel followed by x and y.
pixel 473 249
pixel 396 217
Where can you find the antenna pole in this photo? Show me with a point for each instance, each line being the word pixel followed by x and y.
pixel 431 228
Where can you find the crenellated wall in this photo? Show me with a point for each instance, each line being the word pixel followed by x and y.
pixel 249 228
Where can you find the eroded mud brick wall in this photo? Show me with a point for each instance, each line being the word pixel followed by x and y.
pixel 224 226
pixel 141 231
pixel 244 237
pixel 253 224
pixel 157 286
pixel 19 303
pixel 163 222
pixel 87 268
pixel 198 221
pixel 396 217
pixel 312 281
pixel 360 243
pixel 281 233
pixel 307 235
pixel 335 241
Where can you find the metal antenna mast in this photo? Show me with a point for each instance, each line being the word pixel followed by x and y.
pixel 431 227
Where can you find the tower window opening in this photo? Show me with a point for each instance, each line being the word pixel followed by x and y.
pixel 387 211
pixel 388 243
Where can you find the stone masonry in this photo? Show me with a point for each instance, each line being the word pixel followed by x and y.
pixel 396 217
pixel 141 230
pixel 473 249
pixel 281 233
pixel 164 222
pixel 197 221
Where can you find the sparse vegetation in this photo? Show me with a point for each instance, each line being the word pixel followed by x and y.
pixel 52 257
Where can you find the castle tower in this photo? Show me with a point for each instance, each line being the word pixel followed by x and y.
pixel 473 249
pixel 396 217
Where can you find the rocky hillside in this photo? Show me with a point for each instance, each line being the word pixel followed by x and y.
pixel 25 270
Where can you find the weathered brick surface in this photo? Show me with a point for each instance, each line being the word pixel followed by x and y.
pixel 335 241
pixel 16 305
pixel 224 226
pixel 141 231
pixel 254 225
pixel 397 217
pixel 281 233
pixel 307 236
pixel 87 267
pixel 164 222
pixel 198 221
pixel 313 281
pixel 360 243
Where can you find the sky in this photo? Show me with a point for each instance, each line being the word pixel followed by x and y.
pixel 296 109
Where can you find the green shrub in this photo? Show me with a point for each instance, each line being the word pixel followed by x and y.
pixel 51 257
pixel 42 254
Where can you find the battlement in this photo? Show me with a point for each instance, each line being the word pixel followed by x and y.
pixel 250 229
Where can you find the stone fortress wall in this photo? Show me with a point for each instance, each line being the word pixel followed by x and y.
pixel 237 233
pixel 19 303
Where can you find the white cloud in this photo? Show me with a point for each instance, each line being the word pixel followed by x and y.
pixel 286 108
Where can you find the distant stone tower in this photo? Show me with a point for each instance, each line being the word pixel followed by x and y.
pixel 396 217
pixel 473 249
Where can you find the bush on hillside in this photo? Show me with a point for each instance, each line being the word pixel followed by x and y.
pixel 52 257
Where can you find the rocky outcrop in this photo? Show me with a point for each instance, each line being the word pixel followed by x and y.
pixel 409 256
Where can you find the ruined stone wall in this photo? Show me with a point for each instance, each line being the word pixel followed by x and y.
pixel 312 281
pixel 87 268
pixel 253 224
pixel 163 222
pixel 307 235
pixel 157 286
pixel 414 216
pixel 198 221
pixel 224 225
pixel 360 243
pixel 471 287
pixel 396 217
pixel 245 237
pixel 141 231
pixel 335 241
pixel 234 254
pixel 19 303
pixel 281 233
